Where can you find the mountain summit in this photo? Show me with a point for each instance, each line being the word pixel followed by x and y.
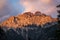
pixel 30 26
pixel 28 18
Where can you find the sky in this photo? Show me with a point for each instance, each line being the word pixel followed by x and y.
pixel 14 7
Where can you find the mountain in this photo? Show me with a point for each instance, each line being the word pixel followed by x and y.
pixel 28 18
pixel 29 26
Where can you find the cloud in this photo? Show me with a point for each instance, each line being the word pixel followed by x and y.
pixel 2 3
pixel 34 5
pixel 6 9
pixel 46 1
pixel 2 7
pixel 45 6
pixel 4 18
pixel 50 10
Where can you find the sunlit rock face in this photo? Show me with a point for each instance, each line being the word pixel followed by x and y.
pixel 28 18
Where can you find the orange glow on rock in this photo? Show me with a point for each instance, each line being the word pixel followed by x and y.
pixel 28 18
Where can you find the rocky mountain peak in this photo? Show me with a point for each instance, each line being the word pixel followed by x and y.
pixel 28 18
pixel 37 13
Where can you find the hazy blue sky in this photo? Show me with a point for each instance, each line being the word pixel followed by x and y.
pixel 13 7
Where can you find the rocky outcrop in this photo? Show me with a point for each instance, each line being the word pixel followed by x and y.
pixel 28 18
